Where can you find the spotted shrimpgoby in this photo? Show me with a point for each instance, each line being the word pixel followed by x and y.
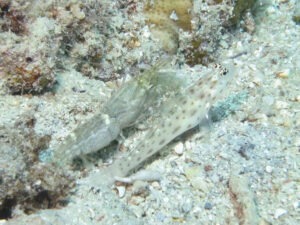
pixel 179 113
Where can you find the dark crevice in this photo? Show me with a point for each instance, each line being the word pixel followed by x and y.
pixel 6 208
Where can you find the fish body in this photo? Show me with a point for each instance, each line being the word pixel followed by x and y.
pixel 179 114
pixel 120 111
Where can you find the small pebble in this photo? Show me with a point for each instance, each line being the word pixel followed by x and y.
pixel 224 44
pixel 282 74
pixel 224 155
pixel 208 206
pixel 208 168
pixel 269 169
pixel 270 10
pixel 156 185
pixel 76 11
pixel 281 105
pixel 279 213
pixel 188 144
pixel 121 191
pixel 296 205
pixel 179 148
pixel 174 16
pixel 277 83
pixel 187 206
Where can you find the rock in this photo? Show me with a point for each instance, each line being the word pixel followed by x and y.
pixel 179 148
pixel 279 213
pixel 208 206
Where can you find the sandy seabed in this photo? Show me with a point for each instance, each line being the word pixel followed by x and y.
pixel 244 171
